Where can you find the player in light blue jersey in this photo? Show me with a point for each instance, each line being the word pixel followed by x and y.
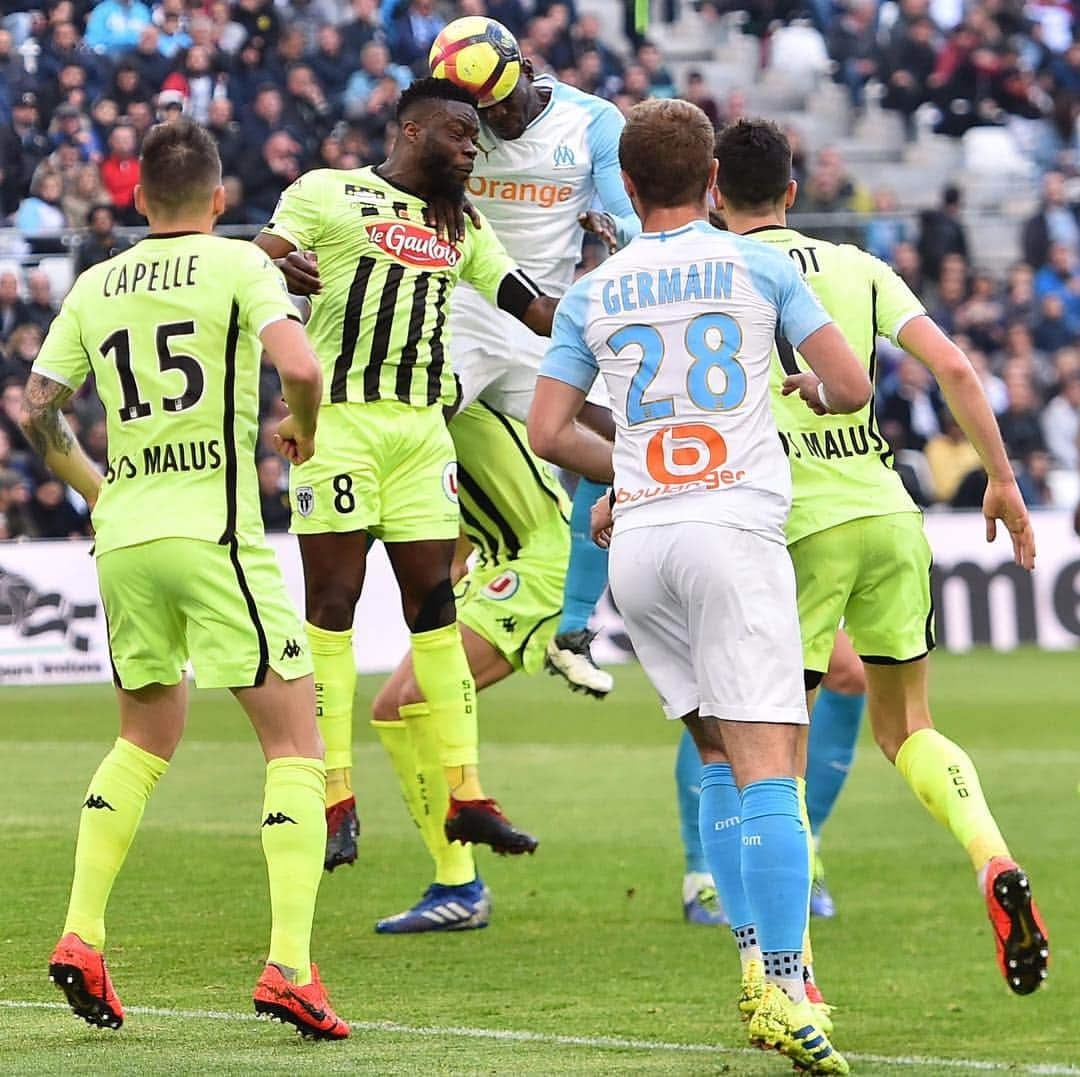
pixel 681 323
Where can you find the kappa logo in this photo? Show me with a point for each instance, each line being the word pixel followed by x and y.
pixel 504 586
pixel 292 650
pixel 305 500
pixel 99 802
pixel 508 624
pixel 563 156
pixel 449 482
pixel 276 817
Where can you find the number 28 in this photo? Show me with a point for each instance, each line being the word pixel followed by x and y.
pixel 709 353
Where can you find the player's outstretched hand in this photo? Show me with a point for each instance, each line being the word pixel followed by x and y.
pixel 601 225
pixel 808 387
pixel 447 217
pixel 294 446
pixel 301 272
pixel 1003 502
pixel 600 521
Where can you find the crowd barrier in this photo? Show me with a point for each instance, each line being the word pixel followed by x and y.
pixel 52 629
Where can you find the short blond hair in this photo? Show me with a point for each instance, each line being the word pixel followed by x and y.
pixel 666 149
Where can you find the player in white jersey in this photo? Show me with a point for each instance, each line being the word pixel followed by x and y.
pixel 548 156
pixel 681 324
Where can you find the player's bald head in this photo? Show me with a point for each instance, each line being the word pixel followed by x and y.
pixel 179 167
pixel 666 149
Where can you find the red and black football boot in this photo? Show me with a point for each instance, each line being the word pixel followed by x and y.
pixel 306 1008
pixel 482 823
pixel 342 833
pixel 1023 948
pixel 80 972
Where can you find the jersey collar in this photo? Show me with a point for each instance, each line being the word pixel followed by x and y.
pixel 767 228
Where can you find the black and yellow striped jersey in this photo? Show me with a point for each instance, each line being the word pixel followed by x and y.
pixel 511 502
pixel 379 323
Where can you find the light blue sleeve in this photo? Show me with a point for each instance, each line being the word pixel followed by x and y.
pixel 602 136
pixel 568 358
pixel 799 311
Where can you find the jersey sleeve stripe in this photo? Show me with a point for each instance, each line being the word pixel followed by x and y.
pixel 52 376
pixel 380 339
pixel 350 330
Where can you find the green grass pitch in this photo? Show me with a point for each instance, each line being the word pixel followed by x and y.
pixel 586 939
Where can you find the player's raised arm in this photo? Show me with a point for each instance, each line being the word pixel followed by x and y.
pixel 921 338
pixel 52 438
pixel 290 236
pixel 617 223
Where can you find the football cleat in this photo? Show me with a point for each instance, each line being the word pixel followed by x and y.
pixel 568 656
pixel 80 972
pixel 793 1029
pixel 480 822
pixel 306 1008
pixel 821 901
pixel 701 902
pixel 1023 948
pixel 442 908
pixel 753 987
pixel 342 832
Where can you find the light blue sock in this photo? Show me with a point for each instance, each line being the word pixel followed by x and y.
pixel 587 573
pixel 775 871
pixel 688 792
pixel 720 838
pixel 834 730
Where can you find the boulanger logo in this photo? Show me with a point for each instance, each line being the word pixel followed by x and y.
pixel 449 481
pixel 504 586
pixel 304 499
pixel 416 246
pixel 685 453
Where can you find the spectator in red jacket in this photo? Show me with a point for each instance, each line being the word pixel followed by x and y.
pixel 120 172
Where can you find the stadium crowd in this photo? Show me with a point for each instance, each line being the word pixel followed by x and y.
pixel 289 87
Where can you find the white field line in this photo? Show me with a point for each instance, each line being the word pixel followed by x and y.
pixel 506 1035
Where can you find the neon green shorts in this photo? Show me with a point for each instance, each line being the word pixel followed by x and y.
pixel 224 608
pixel 384 467
pixel 515 607
pixel 874 573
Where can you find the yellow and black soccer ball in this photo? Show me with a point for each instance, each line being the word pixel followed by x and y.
pixel 479 55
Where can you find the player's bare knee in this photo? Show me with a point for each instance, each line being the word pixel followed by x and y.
pixel 434 609
pixel 384 707
pixel 846 678
pixel 330 609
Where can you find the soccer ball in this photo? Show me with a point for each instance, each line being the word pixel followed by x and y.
pixel 479 55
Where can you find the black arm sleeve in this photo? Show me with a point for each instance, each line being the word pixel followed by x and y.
pixel 515 294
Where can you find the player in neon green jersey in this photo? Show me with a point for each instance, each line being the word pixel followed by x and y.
pixel 856 537
pixel 172 331
pixel 515 515
pixel 386 463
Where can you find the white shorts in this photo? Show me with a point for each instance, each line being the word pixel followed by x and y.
pixel 496 358
pixel 711 614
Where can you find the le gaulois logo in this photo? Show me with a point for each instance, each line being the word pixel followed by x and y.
pixel 416 246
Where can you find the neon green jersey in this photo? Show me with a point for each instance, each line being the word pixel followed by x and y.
pixel 512 505
pixel 170 331
pixel 379 323
pixel 841 465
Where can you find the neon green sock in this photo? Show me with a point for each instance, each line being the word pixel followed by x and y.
pixel 335 687
pixel 395 738
pixel 945 780
pixel 443 674
pixel 454 862
pixel 293 840
pixel 114 804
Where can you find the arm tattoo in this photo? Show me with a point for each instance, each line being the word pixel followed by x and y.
pixel 43 421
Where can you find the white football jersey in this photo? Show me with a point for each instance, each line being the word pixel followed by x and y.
pixel 682 325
